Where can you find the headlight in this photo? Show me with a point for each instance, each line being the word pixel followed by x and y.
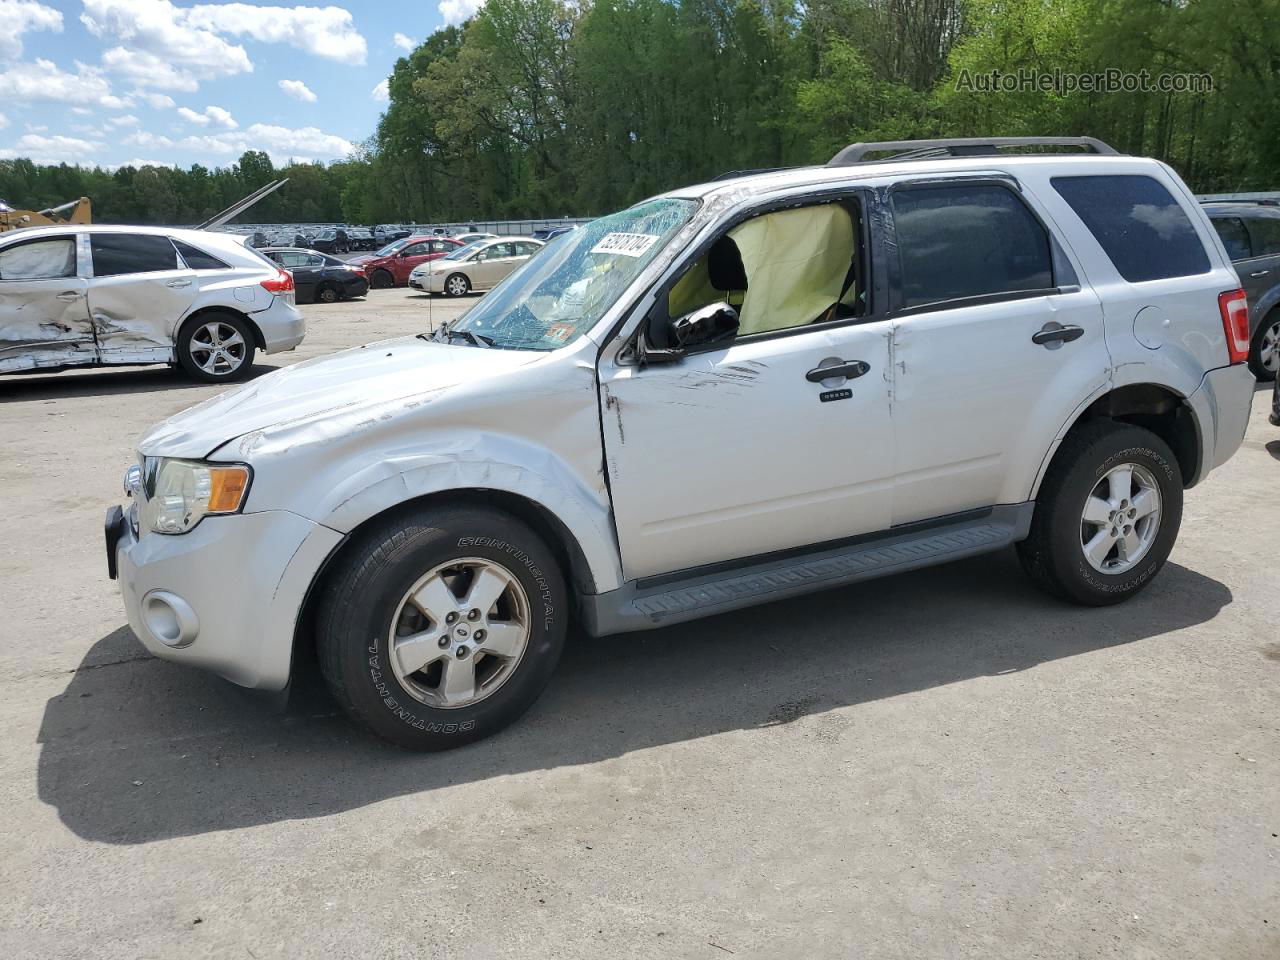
pixel 181 493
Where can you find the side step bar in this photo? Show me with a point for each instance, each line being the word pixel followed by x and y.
pixel 642 606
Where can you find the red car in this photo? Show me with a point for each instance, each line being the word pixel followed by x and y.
pixel 391 266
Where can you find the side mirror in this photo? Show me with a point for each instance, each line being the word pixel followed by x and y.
pixel 709 324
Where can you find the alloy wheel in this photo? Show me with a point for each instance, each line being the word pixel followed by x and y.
pixel 459 633
pixel 1269 348
pixel 218 348
pixel 1121 518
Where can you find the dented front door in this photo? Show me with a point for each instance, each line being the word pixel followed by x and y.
pixel 747 449
pixel 44 320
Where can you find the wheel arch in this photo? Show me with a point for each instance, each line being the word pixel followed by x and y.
pixel 258 340
pixel 1155 407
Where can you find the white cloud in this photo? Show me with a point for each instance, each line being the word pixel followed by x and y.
pixel 298 90
pixel 403 42
pixel 124 120
pixel 282 143
pixel 157 101
pixel 23 16
pixel 42 81
pixel 55 149
pixel 4 121
pixel 212 115
pixel 327 32
pixel 144 138
pixel 456 11
pixel 381 92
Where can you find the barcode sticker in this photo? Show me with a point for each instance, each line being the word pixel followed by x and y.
pixel 625 244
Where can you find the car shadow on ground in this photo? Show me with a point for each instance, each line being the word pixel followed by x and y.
pixel 136 749
pixel 100 382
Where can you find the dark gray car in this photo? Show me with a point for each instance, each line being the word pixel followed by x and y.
pixel 1251 233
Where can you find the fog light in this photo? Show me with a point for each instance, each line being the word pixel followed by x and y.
pixel 169 618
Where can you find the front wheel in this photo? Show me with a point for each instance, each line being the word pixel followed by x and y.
pixel 442 626
pixel 1107 514
pixel 457 285
pixel 215 347
pixel 382 280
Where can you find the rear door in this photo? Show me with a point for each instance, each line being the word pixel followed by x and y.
pixel 995 343
pixel 492 264
pixel 138 293
pixel 44 316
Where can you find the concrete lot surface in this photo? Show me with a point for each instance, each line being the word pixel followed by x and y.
pixel 945 764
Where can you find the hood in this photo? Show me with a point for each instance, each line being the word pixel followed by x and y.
pixel 368 376
pixel 364 259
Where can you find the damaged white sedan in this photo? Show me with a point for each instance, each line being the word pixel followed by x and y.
pixel 78 296
pixel 737 392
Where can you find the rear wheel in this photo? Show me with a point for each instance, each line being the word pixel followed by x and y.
pixel 443 626
pixel 457 285
pixel 381 280
pixel 1107 514
pixel 1264 351
pixel 215 347
pixel 327 294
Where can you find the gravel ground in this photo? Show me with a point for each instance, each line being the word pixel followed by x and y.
pixel 943 764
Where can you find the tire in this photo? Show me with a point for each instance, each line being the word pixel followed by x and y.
pixel 456 285
pixel 367 596
pixel 328 294
pixel 1264 350
pixel 216 357
pixel 1054 554
pixel 382 280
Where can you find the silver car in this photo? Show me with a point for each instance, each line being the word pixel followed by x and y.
pixel 96 295
pixel 477 266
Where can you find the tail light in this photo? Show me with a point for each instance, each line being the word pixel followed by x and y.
pixel 1234 307
pixel 282 282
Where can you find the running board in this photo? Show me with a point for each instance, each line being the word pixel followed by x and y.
pixel 642 605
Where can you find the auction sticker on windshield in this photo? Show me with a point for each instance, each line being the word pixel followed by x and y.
pixel 625 244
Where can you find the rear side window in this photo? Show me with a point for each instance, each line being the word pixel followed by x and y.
pixel 1139 225
pixel 198 259
pixel 968 240
pixel 1266 236
pixel 39 260
pixel 1234 236
pixel 120 253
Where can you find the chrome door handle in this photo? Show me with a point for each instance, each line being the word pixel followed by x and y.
pixel 69 296
pixel 1259 273
pixel 849 370
pixel 1053 335
pixel 178 282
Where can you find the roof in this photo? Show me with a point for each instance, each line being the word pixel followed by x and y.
pixel 182 233
pixel 771 180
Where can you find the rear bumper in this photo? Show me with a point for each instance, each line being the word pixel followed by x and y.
pixel 1222 404
pixel 281 325
pixel 357 288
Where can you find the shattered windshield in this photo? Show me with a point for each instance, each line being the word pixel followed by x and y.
pixel 555 297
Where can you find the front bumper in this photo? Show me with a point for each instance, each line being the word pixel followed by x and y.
pixel 427 282
pixel 225 596
pixel 281 324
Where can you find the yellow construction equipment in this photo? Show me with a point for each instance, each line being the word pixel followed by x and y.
pixel 77 211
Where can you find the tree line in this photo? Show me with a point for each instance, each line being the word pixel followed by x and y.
pixel 540 108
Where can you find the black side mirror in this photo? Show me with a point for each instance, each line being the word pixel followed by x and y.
pixel 706 325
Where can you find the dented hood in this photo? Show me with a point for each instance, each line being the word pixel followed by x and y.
pixel 332 386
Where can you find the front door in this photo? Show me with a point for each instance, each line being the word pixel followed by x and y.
pixel 44 320
pixel 138 294
pixel 746 448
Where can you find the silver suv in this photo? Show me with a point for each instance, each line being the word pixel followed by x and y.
pixel 735 392
pixel 87 296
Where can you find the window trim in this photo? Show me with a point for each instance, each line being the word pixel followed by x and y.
pixel 1056 256
pixel 28 241
pixel 865 195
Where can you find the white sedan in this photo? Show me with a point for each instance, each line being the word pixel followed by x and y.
pixel 477 266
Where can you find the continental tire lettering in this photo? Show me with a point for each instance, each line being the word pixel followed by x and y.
pixel 544 588
pixel 406 714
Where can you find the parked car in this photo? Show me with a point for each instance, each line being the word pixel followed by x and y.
pixel 474 236
pixel 1251 234
pixel 432 514
pixel 476 266
pixel 332 241
pixel 391 266
pixel 318 276
pixel 97 295
pixel 258 239
pixel 361 239
pixel 391 232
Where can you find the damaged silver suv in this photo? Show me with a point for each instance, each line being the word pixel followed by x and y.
pixel 761 386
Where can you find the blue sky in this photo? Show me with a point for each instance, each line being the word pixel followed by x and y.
pixel 112 82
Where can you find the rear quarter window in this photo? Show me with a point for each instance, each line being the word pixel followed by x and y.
pixel 197 259
pixel 1139 225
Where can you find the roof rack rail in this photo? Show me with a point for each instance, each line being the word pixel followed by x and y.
pixel 957 147
pixel 735 174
